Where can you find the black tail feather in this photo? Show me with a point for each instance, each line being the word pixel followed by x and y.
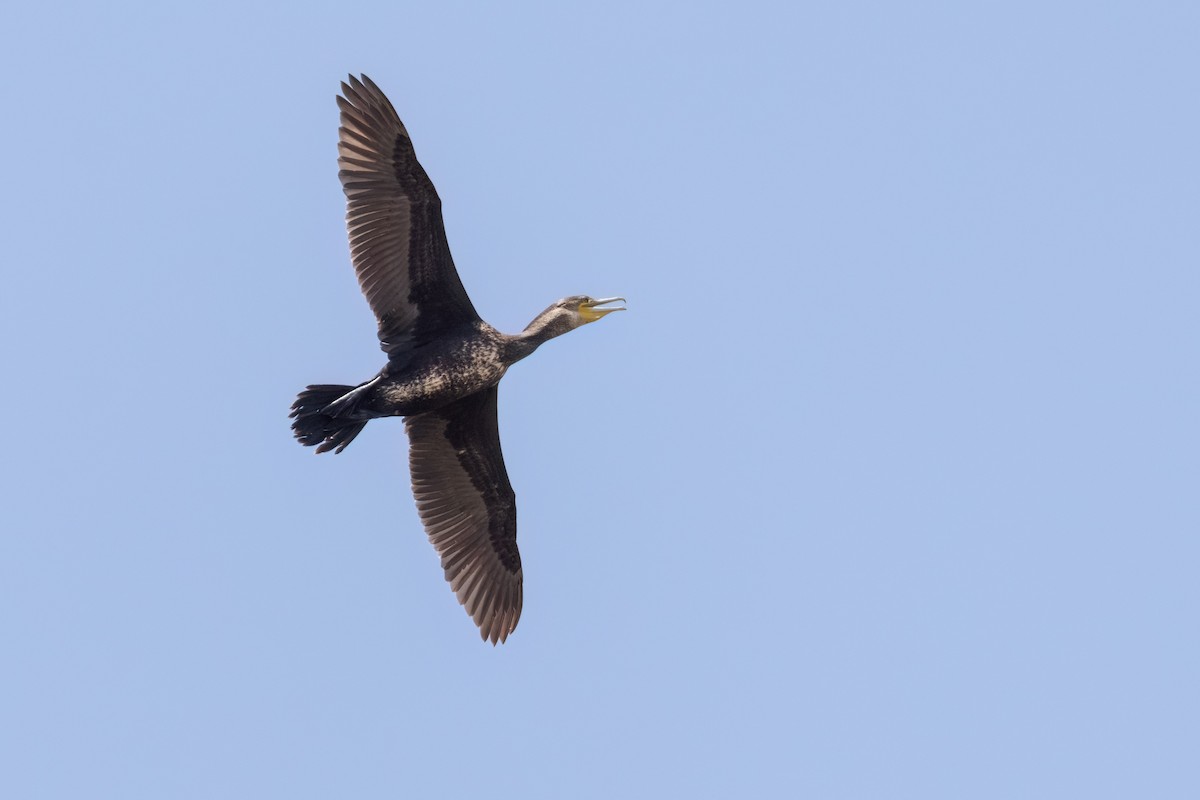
pixel 312 426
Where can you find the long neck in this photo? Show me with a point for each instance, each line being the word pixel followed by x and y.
pixel 552 322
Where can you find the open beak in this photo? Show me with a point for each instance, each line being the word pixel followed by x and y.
pixel 591 311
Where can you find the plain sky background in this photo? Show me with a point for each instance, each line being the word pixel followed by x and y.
pixel 884 487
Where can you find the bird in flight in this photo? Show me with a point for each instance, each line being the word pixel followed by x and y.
pixel 443 361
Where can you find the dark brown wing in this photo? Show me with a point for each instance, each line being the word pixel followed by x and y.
pixel 468 508
pixel 394 216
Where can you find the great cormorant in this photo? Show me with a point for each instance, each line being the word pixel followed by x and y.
pixel 444 362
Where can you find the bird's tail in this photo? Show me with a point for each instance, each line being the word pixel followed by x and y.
pixel 312 423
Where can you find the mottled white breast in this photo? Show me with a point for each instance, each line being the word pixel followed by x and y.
pixel 456 369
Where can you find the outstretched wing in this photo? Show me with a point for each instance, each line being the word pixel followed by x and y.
pixel 468 508
pixel 394 216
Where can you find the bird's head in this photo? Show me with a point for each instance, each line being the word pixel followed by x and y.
pixel 586 309
pixel 570 313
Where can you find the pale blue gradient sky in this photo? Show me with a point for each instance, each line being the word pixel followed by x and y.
pixel 884 487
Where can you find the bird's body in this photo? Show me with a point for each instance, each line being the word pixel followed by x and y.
pixel 444 362
pixel 463 365
pixel 458 364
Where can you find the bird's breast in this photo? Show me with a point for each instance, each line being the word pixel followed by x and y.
pixel 442 375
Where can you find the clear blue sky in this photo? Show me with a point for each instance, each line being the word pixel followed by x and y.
pixel 884 487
